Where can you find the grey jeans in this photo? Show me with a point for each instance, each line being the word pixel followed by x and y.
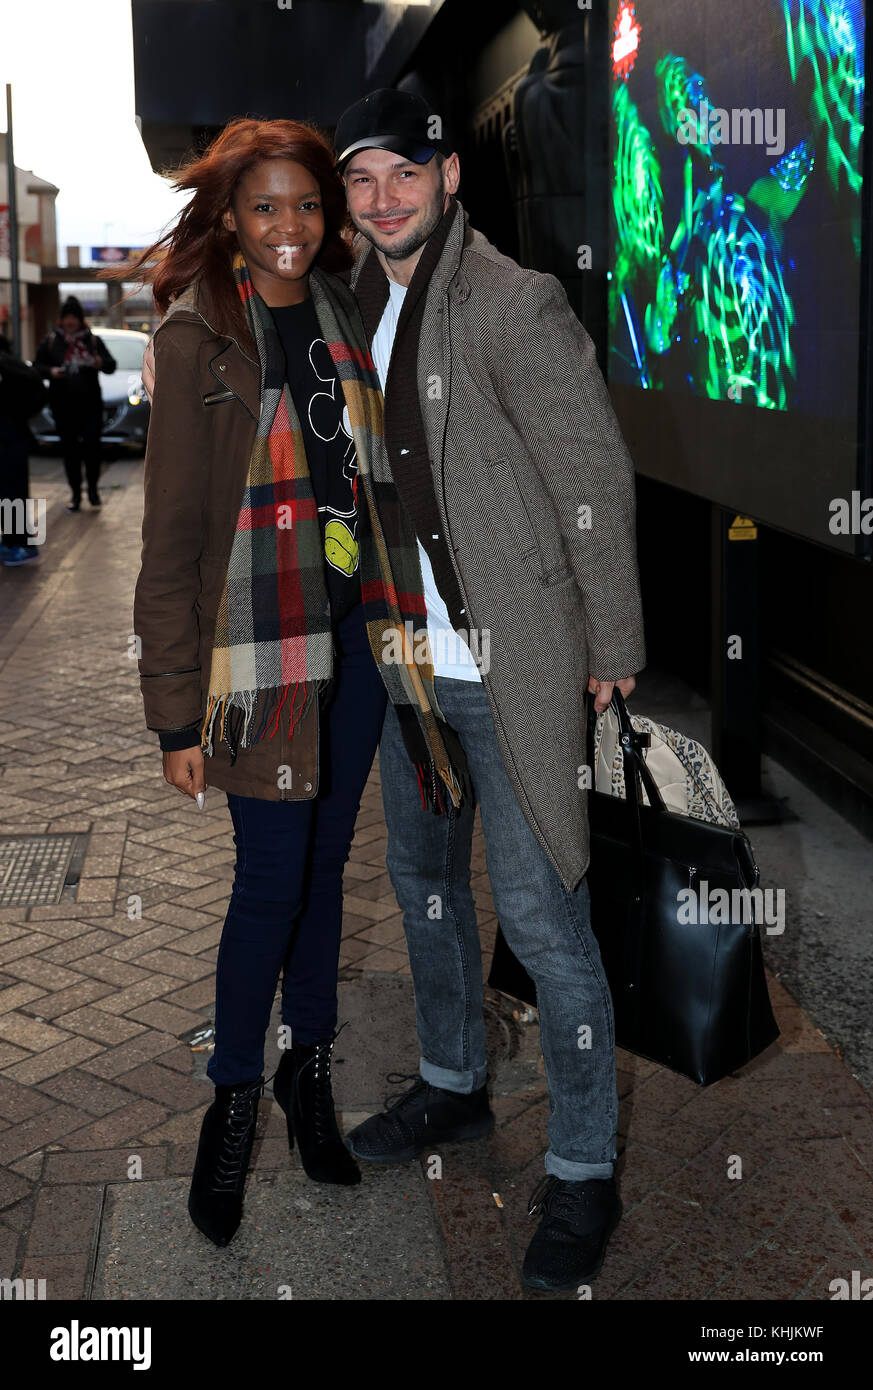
pixel 547 927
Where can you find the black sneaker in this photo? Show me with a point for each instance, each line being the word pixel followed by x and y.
pixel 420 1119
pixel 577 1220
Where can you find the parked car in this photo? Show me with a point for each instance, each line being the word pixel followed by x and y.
pixel 125 404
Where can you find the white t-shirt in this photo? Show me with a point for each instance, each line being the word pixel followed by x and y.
pixel 451 654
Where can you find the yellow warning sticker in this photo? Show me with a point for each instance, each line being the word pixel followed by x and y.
pixel 742 528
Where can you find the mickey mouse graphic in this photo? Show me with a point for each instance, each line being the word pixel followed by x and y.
pixel 327 419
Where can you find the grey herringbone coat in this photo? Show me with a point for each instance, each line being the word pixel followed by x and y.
pixel 523 441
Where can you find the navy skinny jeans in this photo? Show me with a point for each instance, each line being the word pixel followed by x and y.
pixel 286 906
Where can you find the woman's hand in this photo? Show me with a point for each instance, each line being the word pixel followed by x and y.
pixel 183 769
pixel 148 368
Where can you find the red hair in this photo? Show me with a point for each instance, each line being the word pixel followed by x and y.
pixel 200 247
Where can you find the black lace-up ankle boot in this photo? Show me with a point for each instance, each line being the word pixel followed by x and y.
pixel 302 1087
pixel 215 1201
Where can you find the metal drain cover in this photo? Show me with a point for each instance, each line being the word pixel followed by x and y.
pixel 35 869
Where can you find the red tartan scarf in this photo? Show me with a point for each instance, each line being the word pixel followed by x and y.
pixel 273 646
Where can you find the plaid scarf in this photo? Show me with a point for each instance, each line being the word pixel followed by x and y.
pixel 273 645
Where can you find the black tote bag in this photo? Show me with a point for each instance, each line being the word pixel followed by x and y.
pixel 689 995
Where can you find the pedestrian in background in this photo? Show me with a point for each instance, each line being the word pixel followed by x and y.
pixel 72 358
pixel 22 395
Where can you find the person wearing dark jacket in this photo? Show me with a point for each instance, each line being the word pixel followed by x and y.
pixel 72 358
pixel 22 395
pixel 260 605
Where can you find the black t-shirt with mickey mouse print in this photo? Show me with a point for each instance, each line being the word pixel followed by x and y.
pixel 330 451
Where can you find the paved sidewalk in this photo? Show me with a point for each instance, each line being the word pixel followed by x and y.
pixel 101 1098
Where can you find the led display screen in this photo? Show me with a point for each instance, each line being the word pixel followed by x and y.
pixel 735 283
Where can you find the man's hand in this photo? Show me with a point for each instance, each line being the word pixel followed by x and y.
pixel 602 690
pixel 148 368
pixel 57 371
pixel 183 770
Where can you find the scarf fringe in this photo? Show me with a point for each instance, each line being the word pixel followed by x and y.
pixel 241 718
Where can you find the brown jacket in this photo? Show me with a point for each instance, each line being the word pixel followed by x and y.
pixel 202 428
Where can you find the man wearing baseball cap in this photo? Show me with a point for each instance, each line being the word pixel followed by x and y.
pixel 508 460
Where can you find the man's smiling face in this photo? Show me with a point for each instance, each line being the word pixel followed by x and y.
pixel 396 203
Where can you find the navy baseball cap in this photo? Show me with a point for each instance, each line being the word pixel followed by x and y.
pixel 388 120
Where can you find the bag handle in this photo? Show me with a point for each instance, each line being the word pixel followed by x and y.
pixel 635 773
pixel 632 744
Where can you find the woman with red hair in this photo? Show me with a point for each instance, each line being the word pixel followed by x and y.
pixel 257 651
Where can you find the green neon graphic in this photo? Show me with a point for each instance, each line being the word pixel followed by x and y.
pixel 711 294
pixel 823 33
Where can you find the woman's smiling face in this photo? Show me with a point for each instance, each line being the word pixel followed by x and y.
pixel 278 219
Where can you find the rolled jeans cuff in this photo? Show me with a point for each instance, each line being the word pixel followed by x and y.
pixel 576 1172
pixel 463 1082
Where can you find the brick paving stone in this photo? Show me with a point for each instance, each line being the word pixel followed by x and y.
pixel 81 947
pixel 384 959
pixel 180 1129
pixel 114 971
pixel 383 933
pixel 100 1025
pixel 49 1006
pixel 855 1124
pixel 199 941
pixel 180 1159
pixel 481 1261
pixel 166 1087
pixel 45 973
pixel 124 1001
pixel 199 996
pixel 680 1274
pixel 174 963
pixel 96 890
pixel 12 1188
pixel 17 995
pixel 30 1166
pixel 773 1271
pixel 9 1055
pixel 23 946
pixel 131 1054
pixel 168 1017
pixel 19 1216
pixel 30 1032
pixel 65 1221
pixel 19 1102
pixel 66 1276
pixel 181 1059
pixel 35 1133
pixel 105 1165
pixel 36 1068
pixel 375 911
pixel 9 1243
pixel 189 919
pixel 86 1092
pixel 121 1126
pixel 671 1133
pixel 72 911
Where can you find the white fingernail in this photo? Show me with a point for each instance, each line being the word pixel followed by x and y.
pixel 201 799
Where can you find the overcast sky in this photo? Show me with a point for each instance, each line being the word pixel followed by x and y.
pixel 71 66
